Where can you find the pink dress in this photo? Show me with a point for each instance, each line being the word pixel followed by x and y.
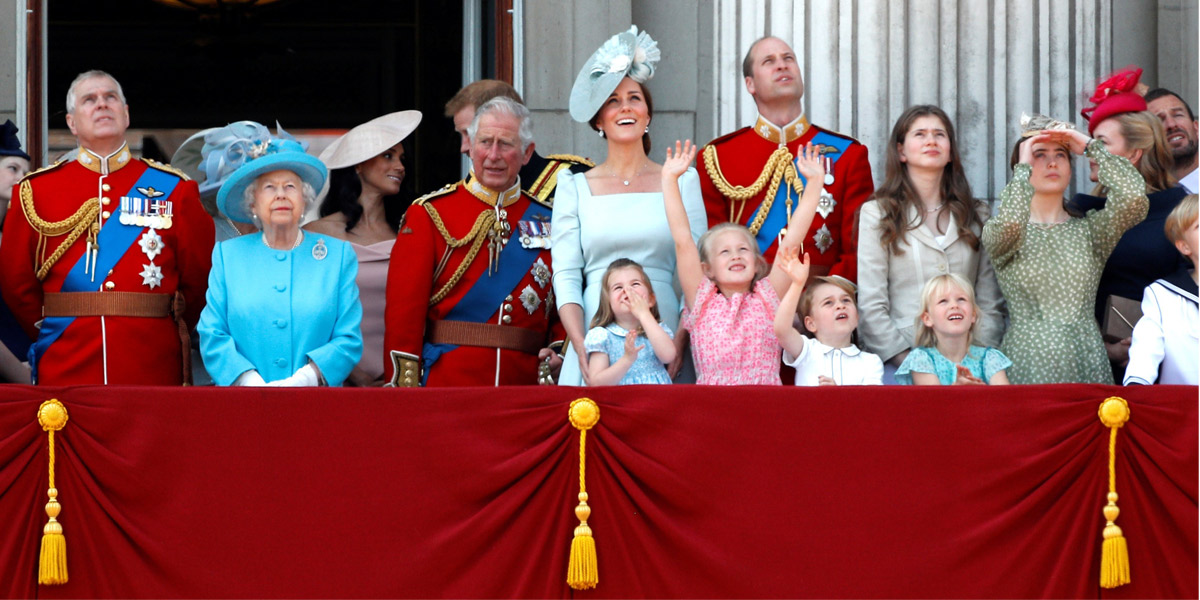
pixel 372 292
pixel 733 339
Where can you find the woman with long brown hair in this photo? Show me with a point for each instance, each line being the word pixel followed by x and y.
pixel 920 223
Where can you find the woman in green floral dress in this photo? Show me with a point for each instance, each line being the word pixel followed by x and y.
pixel 1048 261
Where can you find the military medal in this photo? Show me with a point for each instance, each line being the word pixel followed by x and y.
pixel 319 252
pixel 828 170
pixel 825 204
pixel 534 234
pixel 151 275
pixel 541 272
pixel 530 299
pixel 152 244
pixel 823 238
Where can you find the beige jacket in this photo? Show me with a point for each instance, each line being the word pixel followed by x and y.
pixel 889 285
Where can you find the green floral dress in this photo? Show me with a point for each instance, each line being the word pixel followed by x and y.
pixel 1049 274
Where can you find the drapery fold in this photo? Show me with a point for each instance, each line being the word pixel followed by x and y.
pixel 695 492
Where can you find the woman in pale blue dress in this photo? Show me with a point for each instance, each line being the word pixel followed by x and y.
pixel 615 210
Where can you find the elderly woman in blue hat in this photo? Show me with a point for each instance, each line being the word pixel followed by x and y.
pixel 283 306
pixel 615 210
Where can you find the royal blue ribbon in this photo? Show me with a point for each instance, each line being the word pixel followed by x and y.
pixel 777 217
pixel 480 302
pixel 113 241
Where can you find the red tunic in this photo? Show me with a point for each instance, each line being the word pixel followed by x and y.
pixel 413 278
pixel 741 157
pixel 106 350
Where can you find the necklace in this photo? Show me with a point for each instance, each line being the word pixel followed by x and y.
pixel 936 208
pixel 299 238
pixel 635 174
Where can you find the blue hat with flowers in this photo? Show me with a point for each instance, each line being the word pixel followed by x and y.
pixel 10 145
pixel 247 158
pixel 629 53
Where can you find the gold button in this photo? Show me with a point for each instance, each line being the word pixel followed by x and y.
pixel 106 214
pixel 507 308
pixel 105 187
pixel 105 201
pixel 108 285
pixel 509 298
pixel 506 319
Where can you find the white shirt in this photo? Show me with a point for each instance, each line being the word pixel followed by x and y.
pixel 845 366
pixel 1166 340
pixel 1191 181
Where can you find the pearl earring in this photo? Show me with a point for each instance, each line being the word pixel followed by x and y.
pixel 600 132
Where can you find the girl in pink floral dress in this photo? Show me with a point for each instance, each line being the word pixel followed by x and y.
pixel 729 293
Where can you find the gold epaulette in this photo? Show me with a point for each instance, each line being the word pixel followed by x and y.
pixel 166 168
pixel 446 189
pixel 43 169
pixel 571 158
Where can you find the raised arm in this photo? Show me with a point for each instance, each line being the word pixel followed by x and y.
pixel 687 256
pixel 1127 204
pixel 813 170
pixel 1004 233
pixel 787 262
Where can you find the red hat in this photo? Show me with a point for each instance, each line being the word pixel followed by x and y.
pixel 1113 96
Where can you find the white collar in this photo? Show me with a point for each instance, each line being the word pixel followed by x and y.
pixel 820 348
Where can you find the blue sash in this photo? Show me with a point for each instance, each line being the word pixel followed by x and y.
pixel 113 241
pixel 481 301
pixel 777 217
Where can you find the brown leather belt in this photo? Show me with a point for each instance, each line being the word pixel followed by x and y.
pixel 486 335
pixel 106 304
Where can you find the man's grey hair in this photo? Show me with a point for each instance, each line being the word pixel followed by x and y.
pixel 310 196
pixel 89 75
pixel 502 104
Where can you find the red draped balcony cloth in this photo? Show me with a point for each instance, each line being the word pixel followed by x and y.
pixel 698 492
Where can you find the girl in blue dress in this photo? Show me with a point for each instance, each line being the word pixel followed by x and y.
pixel 627 343
pixel 944 331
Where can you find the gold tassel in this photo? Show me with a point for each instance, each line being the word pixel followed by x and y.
pixel 581 569
pixel 52 567
pixel 1114 554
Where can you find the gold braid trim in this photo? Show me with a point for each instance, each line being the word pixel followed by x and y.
pixel 84 220
pixel 477 235
pixel 780 166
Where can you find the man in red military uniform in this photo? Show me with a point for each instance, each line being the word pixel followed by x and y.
pixel 749 176
pixel 469 300
pixel 105 258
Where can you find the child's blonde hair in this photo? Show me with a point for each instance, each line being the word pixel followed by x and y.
pixel 1181 218
pixel 925 336
pixel 804 308
pixel 761 268
pixel 604 313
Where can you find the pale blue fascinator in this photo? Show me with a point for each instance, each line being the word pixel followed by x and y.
pixel 630 54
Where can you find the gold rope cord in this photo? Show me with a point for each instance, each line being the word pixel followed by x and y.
pixel 482 224
pixel 779 166
pixel 84 220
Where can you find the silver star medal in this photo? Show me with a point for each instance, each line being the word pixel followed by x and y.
pixel 541 273
pixel 319 252
pixel 530 299
pixel 151 275
pixel 152 244
pixel 825 204
pixel 823 238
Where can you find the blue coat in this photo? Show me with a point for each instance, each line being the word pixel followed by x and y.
pixel 274 310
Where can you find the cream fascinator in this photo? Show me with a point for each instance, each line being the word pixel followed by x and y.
pixel 1035 124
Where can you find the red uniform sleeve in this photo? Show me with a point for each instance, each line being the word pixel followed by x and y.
pixel 195 236
pixel 854 171
pixel 716 206
pixel 21 289
pixel 409 286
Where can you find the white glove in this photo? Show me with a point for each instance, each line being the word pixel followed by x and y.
pixel 250 378
pixel 305 376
